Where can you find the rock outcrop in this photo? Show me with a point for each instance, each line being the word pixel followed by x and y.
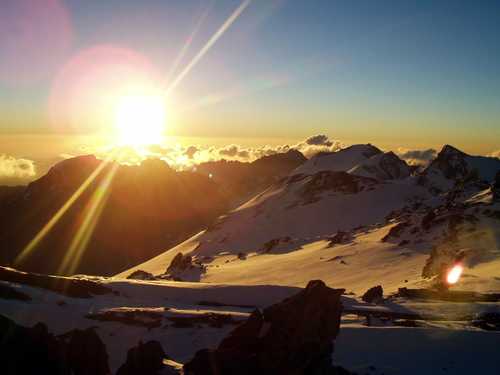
pixel 145 359
pixel 36 351
pixel 183 268
pixel 294 336
pixel 141 275
pixel 374 294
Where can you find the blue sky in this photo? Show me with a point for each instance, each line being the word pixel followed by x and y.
pixel 413 72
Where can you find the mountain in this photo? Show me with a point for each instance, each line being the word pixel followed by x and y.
pixel 145 208
pixel 452 166
pixel 241 180
pixel 342 160
pixel 365 227
pixel 353 218
pixel 382 166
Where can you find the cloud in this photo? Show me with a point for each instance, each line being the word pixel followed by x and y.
pixel 11 167
pixel 319 140
pixel 182 157
pixel 234 151
pixel 415 157
pixel 317 143
pixel 191 151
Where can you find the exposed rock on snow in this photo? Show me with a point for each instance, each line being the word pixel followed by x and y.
pixel 452 166
pixel 9 292
pixel 182 268
pixel 339 238
pixel 71 287
pixel 395 231
pixel 294 336
pixel 270 245
pixel 141 275
pixel 36 351
pixel 328 181
pixel 374 294
pixel 382 166
pixel 211 319
pixel 342 160
pixel 150 318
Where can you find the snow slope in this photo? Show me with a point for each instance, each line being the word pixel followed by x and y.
pixel 342 160
pixel 357 348
pixel 283 235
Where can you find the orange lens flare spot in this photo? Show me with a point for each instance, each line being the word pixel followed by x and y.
pixel 454 274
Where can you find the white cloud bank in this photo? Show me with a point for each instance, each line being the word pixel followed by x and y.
pixel 11 167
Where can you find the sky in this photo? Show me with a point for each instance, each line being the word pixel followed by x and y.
pixel 399 74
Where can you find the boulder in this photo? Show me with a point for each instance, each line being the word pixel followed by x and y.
pixel 180 263
pixel 144 359
pixel 396 231
pixel 183 268
pixel 86 353
pixel 34 350
pixel 294 336
pixel 339 238
pixel 374 295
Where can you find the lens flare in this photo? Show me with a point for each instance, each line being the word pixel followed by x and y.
pixel 454 274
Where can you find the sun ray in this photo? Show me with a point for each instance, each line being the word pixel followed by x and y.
pixel 188 42
pixel 91 217
pixel 57 216
pixel 225 26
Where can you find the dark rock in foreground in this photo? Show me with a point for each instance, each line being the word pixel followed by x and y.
pixel 294 336
pixel 36 351
pixel 144 359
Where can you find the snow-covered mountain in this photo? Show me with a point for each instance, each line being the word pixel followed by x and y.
pixel 383 166
pixel 355 219
pixel 452 166
pixel 352 218
pixel 342 160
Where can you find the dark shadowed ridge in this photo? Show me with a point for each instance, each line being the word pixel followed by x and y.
pixel 149 208
pixel 241 180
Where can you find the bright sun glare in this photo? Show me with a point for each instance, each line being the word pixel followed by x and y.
pixel 140 119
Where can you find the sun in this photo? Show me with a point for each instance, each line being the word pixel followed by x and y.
pixel 140 119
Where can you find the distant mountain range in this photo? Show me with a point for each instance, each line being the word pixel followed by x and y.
pixel 146 209
pixel 354 218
